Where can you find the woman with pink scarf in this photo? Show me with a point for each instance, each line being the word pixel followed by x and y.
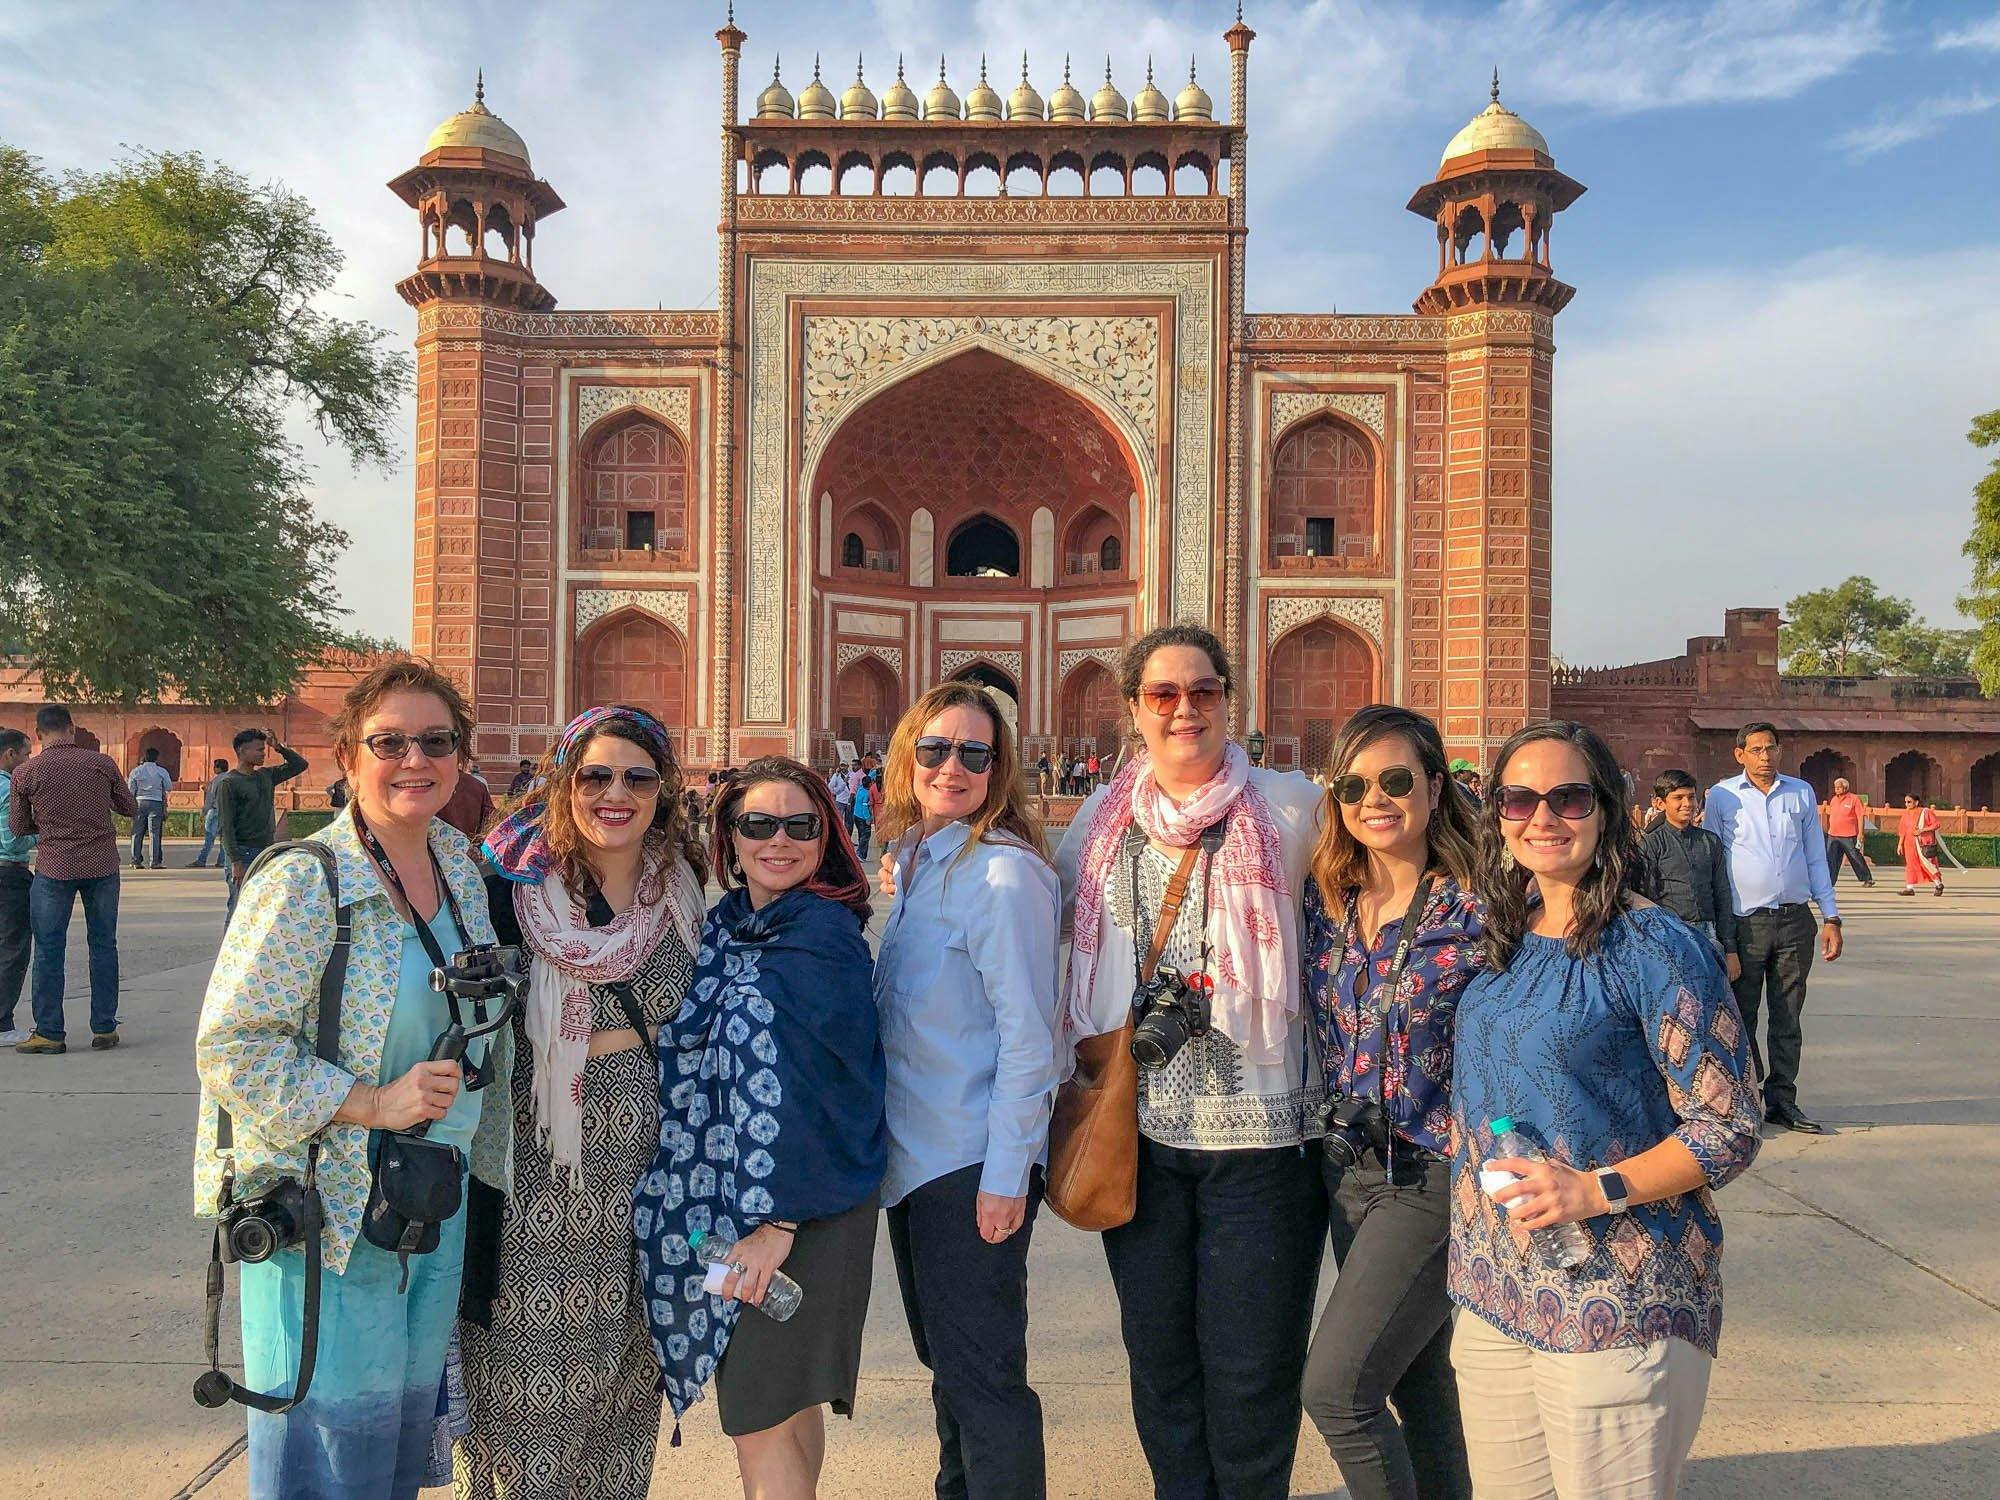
pixel 599 883
pixel 1216 1271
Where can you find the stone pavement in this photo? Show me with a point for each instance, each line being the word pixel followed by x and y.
pixel 1861 1357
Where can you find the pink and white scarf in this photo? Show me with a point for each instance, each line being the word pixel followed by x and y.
pixel 571 956
pixel 1255 958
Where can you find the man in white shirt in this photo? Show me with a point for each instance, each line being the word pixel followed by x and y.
pixel 1769 827
pixel 150 784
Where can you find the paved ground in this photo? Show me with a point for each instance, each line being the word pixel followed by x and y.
pixel 1862 1355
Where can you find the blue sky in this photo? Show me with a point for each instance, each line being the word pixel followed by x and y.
pixel 1784 321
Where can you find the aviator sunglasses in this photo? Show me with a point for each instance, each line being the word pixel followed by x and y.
pixel 1573 800
pixel 1163 698
pixel 392 744
pixel 1397 781
pixel 640 781
pixel 799 827
pixel 934 749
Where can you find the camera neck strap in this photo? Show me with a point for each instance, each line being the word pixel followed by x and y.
pixel 386 867
pixel 1405 940
pixel 1172 898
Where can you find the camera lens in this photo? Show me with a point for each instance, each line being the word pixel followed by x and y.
pixel 253 1240
pixel 1342 1149
pixel 1157 1039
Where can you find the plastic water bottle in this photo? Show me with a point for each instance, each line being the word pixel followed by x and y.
pixel 715 1250
pixel 1563 1247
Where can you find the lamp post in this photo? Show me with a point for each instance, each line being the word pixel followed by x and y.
pixel 1255 745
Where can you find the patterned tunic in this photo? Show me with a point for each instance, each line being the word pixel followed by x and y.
pixel 1597 1060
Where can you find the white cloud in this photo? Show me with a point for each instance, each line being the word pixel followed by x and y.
pixel 1893 128
pixel 1980 36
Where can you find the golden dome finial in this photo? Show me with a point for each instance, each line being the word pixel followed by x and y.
pixel 858 102
pixel 1149 105
pixel 776 102
pixel 1193 102
pixel 983 103
pixel 1024 103
pixel 1496 83
pixel 816 101
pixel 1066 104
pixel 479 90
pixel 899 101
pixel 941 103
pixel 1496 128
pixel 1107 103
pixel 479 128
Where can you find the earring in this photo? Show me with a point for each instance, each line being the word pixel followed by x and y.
pixel 1506 858
pixel 1601 857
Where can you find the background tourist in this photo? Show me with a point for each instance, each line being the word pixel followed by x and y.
pixel 841 784
pixel 524 780
pixel 150 784
pixel 1917 842
pixel 861 810
pixel 16 879
pixel 1846 817
pixel 208 818
pixel 470 810
pixel 67 796
pixel 779 1031
pixel 1685 868
pixel 966 984
pixel 598 884
pixel 1391 937
pixel 364 1430
pixel 1231 1212
pixel 1602 1027
pixel 1769 823
pixel 246 802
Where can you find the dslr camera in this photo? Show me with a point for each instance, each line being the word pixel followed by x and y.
pixel 1353 1124
pixel 258 1227
pixel 1170 1011
pixel 483 972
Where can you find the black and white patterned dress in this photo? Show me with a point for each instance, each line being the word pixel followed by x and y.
pixel 563 1389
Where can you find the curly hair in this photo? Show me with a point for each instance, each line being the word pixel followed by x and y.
pixel 839 876
pixel 1132 666
pixel 1338 861
pixel 1006 810
pixel 399 674
pixel 558 789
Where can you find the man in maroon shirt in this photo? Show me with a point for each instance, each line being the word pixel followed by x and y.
pixel 1844 812
pixel 66 796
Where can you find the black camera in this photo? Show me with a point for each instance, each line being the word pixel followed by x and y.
pixel 1353 1124
pixel 485 971
pixel 1170 1011
pixel 261 1225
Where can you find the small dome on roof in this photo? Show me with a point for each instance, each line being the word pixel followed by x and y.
pixel 859 101
pixel 899 100
pixel 1024 103
pixel 1193 102
pixel 478 128
pixel 816 101
pixel 776 102
pixel 1496 128
pixel 941 103
pixel 983 103
pixel 1149 105
pixel 1107 103
pixel 1066 103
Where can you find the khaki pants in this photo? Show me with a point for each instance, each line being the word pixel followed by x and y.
pixel 1614 1425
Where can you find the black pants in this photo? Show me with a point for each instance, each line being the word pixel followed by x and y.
pixel 1215 1278
pixel 16 880
pixel 1845 851
pixel 967 1302
pixel 1386 1334
pixel 1777 947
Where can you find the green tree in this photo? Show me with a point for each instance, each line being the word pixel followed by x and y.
pixel 1836 632
pixel 1982 600
pixel 159 322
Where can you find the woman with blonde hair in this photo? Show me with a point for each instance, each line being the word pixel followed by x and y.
pixel 965 983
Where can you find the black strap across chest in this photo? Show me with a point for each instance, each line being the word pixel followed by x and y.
pixel 1405 940
pixel 387 869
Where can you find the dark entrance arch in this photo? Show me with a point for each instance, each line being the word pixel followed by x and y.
pixel 1912 774
pixel 983 548
pixel 1986 782
pixel 1822 767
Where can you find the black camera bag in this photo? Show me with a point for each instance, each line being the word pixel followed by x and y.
pixel 417 1186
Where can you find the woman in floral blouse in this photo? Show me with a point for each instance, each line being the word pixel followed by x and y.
pixel 1603 1028
pixel 1391 937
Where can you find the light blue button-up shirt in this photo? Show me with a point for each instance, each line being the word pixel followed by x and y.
pixel 966 985
pixel 1777 853
pixel 14 848
pixel 150 781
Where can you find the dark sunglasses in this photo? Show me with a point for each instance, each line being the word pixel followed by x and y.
pixel 799 827
pixel 640 781
pixel 392 744
pixel 1574 800
pixel 933 750
pixel 1397 781
pixel 1204 697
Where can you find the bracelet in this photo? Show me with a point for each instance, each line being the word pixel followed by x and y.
pixel 780 1224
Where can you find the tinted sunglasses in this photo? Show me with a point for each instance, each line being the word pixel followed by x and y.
pixel 640 781
pixel 799 827
pixel 391 744
pixel 934 749
pixel 1397 781
pixel 1204 697
pixel 1574 800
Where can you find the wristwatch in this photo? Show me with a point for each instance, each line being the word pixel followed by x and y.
pixel 1614 1190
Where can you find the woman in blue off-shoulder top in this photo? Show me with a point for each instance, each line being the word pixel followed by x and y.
pixel 1603 1027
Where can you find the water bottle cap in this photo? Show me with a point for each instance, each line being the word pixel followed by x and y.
pixel 695 1239
pixel 1500 1124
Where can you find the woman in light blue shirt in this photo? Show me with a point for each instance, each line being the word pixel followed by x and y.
pixel 966 986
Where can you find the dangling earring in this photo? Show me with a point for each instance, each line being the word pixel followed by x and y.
pixel 1506 858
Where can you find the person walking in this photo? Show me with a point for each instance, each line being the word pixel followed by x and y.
pixel 1684 868
pixel 1044 777
pixel 246 802
pixel 781 1034
pixel 150 783
pixel 1391 938
pixel 596 881
pixel 841 785
pixel 1216 1270
pixel 16 880
pixel 861 810
pixel 364 1430
pixel 67 796
pixel 966 985
pixel 1845 816
pixel 1917 842
pixel 1601 1031
pixel 208 819
pixel 1769 824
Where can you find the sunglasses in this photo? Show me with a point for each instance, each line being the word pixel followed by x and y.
pixel 1204 697
pixel 1397 781
pixel 391 744
pixel 1573 800
pixel 933 750
pixel 640 781
pixel 799 827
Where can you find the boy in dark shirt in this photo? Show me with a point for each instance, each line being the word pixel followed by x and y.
pixel 1686 869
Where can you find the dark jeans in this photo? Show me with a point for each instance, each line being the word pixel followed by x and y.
pixel 862 828
pixel 1386 1334
pixel 248 854
pixel 1846 851
pixel 151 815
pixel 1777 947
pixel 1215 1278
pixel 967 1302
pixel 16 880
pixel 50 903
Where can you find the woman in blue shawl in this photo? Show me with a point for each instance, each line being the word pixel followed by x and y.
pixel 771 1132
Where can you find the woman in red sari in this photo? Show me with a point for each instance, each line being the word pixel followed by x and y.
pixel 1917 839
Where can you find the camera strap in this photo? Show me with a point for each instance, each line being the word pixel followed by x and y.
pixel 386 867
pixel 1392 982
pixel 1170 902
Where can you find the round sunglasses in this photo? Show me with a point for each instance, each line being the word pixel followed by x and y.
pixel 1573 800
pixel 640 781
pixel 933 750
pixel 1397 781
pixel 392 744
pixel 799 827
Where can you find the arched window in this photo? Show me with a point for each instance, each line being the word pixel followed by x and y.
pixel 983 548
pixel 1323 497
pixel 635 484
pixel 1109 559
pixel 851 550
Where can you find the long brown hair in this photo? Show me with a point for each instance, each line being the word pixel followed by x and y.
pixel 1339 862
pixel 558 789
pixel 1006 811
pixel 1600 896
pixel 839 876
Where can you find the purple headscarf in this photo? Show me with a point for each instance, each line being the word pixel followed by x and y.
pixel 517 846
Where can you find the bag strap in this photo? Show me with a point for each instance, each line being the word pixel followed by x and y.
pixel 623 990
pixel 1170 909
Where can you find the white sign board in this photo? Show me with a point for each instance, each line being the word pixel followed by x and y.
pixel 845 753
